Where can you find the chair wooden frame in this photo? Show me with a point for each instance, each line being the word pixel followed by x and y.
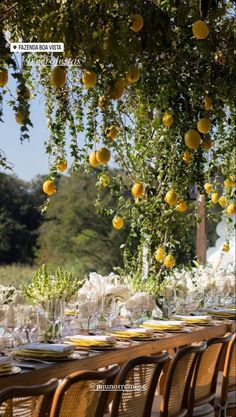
pixel 208 399
pixel 108 376
pixel 46 390
pixel 198 349
pixel 159 361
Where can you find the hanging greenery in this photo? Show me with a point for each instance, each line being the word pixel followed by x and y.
pixel 149 84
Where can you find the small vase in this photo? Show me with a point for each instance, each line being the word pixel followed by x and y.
pixel 54 312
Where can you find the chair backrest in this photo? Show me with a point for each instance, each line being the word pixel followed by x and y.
pixel 179 375
pixel 136 385
pixel 33 401
pixel 229 373
pixel 81 394
pixel 203 385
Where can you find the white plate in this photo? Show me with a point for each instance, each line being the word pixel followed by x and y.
pixel 14 370
pixel 45 358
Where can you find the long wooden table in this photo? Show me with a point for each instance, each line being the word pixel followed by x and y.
pixel 43 372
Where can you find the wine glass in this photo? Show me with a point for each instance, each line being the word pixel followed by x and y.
pixel 54 312
pixel 110 308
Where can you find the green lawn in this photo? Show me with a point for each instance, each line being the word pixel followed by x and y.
pixel 16 274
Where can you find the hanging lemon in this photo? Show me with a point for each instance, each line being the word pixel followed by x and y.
pixel 133 75
pixel 181 206
pixel 200 29
pixel 137 23
pixel 137 190
pixel 204 125
pixel 89 79
pixel 206 144
pixel 3 77
pixel 208 187
pixel 58 77
pixel 103 102
pixel 104 180
pixel 192 139
pixel 167 119
pixel 93 159
pixel 117 90
pixel 226 247
pixel 49 187
pixel 160 254
pixel 103 156
pixel 222 201
pixel 215 197
pixel 186 157
pixel 208 103
pixel 20 117
pixel 112 132
pixel 231 209
pixel 117 222
pixel 171 198
pixel 228 183
pixel 62 166
pixel 24 92
pixel 169 261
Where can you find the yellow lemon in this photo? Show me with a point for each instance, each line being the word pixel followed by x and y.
pixel 200 29
pixel 181 206
pixel 186 157
pixel 167 119
pixel 117 90
pixel 228 183
pixel 103 102
pixel 226 247
pixel 231 209
pixel 49 187
pixel 20 117
pixel 169 261
pixel 3 77
pixel 192 139
pixel 206 144
pixel 137 190
pixel 104 180
pixel 204 125
pixel 117 222
pixel 222 201
pixel 208 103
pixel 93 159
pixel 112 132
pixel 208 187
pixel 89 79
pixel 62 166
pixel 133 75
pixel 137 22
pixel 171 198
pixel 103 156
pixel 215 197
pixel 58 77
pixel 160 254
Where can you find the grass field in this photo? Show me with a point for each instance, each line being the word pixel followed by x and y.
pixel 16 274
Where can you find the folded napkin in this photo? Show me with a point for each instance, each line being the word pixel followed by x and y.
pixel 87 340
pixel 47 347
pixel 162 325
pixel 136 332
pixel 193 319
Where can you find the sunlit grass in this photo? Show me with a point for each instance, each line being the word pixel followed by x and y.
pixel 16 274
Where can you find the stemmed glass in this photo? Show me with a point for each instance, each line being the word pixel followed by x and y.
pixel 110 308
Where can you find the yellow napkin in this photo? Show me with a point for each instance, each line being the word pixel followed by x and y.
pixel 194 319
pixel 127 333
pixel 164 325
pixel 84 340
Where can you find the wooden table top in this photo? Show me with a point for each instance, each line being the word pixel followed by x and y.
pixel 44 372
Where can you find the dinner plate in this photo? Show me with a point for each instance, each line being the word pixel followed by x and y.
pixel 73 356
pixel 12 371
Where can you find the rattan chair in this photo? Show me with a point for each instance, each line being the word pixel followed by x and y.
pixel 203 385
pixel 226 403
pixel 34 401
pixel 137 380
pixel 81 394
pixel 174 402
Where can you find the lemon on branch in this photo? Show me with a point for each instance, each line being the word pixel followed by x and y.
pixel 192 139
pixel 117 90
pixel 226 247
pixel 137 190
pixel 181 206
pixel 117 222
pixel 49 187
pixel 204 125
pixel 111 132
pixel 3 77
pixel 133 75
pixel 103 103
pixel 231 209
pixel 20 117
pixel 215 197
pixel 62 165
pixel 228 183
pixel 171 197
pixel 206 144
pixel 160 254
pixel 137 22
pixel 167 119
pixel 200 29
pixel 103 156
pixel 104 180
pixel 58 77
pixel 93 159
pixel 186 157
pixel 208 187
pixel 222 201
pixel 169 261
pixel 89 79
pixel 24 92
pixel 208 104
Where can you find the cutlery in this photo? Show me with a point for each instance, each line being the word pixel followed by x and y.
pixel 25 366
